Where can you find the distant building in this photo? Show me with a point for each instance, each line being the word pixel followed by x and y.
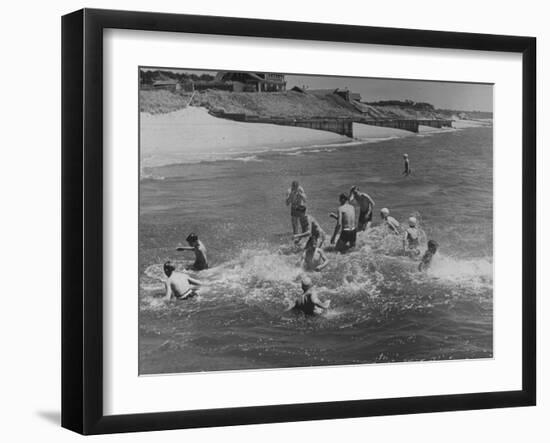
pixel 346 94
pixel 170 85
pixel 253 81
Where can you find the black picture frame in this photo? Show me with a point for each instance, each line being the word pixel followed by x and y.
pixel 82 220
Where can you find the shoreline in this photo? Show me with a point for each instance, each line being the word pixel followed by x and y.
pixel 192 135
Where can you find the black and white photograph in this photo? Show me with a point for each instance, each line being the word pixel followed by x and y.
pixel 296 220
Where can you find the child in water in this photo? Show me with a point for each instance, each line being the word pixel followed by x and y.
pixel 313 259
pixel 411 238
pixel 426 260
pixel 408 170
pixel 198 248
pixel 178 284
pixel 308 302
pixel 389 221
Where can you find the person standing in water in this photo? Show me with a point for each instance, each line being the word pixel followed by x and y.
pixel 345 225
pixel 408 170
pixel 314 259
pixel 312 229
pixel 426 260
pixel 296 199
pixel 308 302
pixel 389 221
pixel 178 284
pixel 366 207
pixel 198 248
pixel 411 238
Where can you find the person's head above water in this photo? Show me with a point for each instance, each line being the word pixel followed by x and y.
pixel 432 246
pixel 384 212
pixel 192 238
pixel 295 185
pixel 306 283
pixel 412 222
pixel 354 190
pixel 405 156
pixel 343 198
pixel 169 268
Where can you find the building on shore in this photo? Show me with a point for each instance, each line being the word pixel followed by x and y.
pixel 253 81
pixel 346 94
pixel 170 85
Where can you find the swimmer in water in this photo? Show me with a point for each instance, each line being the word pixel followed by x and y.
pixel 408 170
pixel 198 248
pixel 366 207
pixel 345 225
pixel 411 238
pixel 308 302
pixel 312 229
pixel 389 221
pixel 178 284
pixel 296 199
pixel 426 260
pixel 313 259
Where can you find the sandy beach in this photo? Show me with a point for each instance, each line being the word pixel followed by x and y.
pixel 192 134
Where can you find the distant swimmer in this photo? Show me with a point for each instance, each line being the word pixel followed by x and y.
pixel 345 225
pixel 366 207
pixel 308 302
pixel 314 259
pixel 411 238
pixel 426 260
pixel 198 248
pixel 312 229
pixel 408 170
pixel 296 199
pixel 178 284
pixel 389 221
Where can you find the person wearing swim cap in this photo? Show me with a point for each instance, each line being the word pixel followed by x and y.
pixel 313 259
pixel 345 225
pixel 198 248
pixel 296 199
pixel 411 238
pixel 312 229
pixel 308 302
pixel 366 207
pixel 178 284
pixel 389 221
pixel 408 170
pixel 426 260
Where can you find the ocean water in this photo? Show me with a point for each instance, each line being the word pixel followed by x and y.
pixel 382 309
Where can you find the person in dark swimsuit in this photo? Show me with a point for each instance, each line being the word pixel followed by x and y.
pixel 296 199
pixel 312 229
pixel 308 302
pixel 426 260
pixel 345 225
pixel 366 207
pixel 198 248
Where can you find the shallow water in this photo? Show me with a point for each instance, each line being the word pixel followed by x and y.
pixel 382 309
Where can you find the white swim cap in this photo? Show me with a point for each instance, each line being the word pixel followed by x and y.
pixel 385 211
pixel 405 155
pixel 306 282
pixel 412 222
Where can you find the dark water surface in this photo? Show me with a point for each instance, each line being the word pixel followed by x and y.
pixel 382 310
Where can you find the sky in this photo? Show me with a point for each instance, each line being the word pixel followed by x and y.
pixel 443 95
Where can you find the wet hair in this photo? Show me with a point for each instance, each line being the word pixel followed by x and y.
pixel 192 238
pixel 354 189
pixel 343 197
pixel 169 268
pixel 433 245
pixel 295 184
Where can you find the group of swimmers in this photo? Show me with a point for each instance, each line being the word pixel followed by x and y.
pixel 180 285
